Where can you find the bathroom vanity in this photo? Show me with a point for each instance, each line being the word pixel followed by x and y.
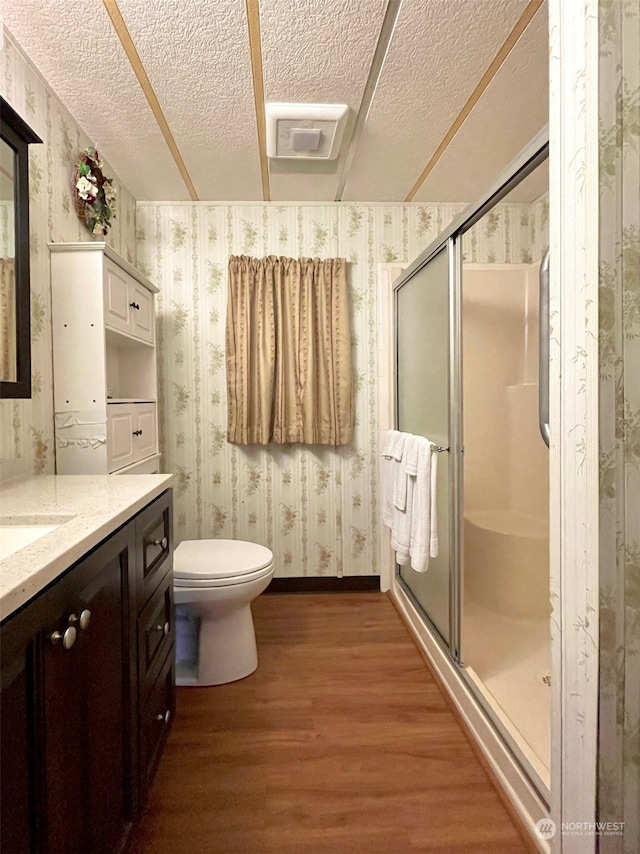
pixel 87 654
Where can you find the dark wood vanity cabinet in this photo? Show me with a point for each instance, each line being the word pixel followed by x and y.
pixel 79 665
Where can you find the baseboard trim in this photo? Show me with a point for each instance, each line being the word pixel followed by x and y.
pixel 325 584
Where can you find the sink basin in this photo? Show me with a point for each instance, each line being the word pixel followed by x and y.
pixel 16 532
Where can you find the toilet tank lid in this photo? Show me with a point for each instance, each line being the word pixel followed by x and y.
pixel 219 558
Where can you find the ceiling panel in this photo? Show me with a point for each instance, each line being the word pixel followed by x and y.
pixel 439 52
pixel 512 110
pixel 75 48
pixel 316 53
pixel 196 55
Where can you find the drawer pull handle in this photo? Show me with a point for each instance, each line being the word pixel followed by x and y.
pixel 82 621
pixel 164 542
pixel 164 718
pixel 134 305
pixel 165 629
pixel 67 638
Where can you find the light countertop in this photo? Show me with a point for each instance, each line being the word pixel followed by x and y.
pixel 85 508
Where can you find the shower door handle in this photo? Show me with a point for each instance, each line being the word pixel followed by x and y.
pixel 543 351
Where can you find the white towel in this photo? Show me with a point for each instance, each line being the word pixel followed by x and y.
pixel 394 451
pixel 410 463
pixel 424 539
pixel 433 538
pixel 392 446
pixel 402 519
pixel 401 528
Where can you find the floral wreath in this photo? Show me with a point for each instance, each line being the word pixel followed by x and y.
pixel 94 193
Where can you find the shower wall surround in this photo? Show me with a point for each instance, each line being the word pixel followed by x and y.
pixel 315 507
pixel 26 426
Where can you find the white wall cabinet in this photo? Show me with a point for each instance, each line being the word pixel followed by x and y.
pixel 104 359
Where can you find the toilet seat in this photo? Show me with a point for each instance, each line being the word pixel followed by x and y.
pixel 218 563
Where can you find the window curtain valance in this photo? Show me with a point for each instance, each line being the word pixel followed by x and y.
pixel 288 351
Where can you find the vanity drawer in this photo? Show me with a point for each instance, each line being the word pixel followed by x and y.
pixel 155 636
pixel 154 542
pixel 155 722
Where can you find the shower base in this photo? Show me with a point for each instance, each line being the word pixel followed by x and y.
pixel 509 661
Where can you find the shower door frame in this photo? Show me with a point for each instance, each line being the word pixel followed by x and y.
pixel 532 156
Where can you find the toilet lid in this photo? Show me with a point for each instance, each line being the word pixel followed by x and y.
pixel 202 559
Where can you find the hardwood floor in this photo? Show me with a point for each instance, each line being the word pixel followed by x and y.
pixel 340 742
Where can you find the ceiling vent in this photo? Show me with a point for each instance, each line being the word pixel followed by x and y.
pixel 305 131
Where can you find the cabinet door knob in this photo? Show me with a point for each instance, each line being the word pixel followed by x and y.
pixel 165 629
pixel 134 305
pixel 164 718
pixel 67 638
pixel 137 432
pixel 82 621
pixel 164 542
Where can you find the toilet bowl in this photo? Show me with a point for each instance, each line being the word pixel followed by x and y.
pixel 214 582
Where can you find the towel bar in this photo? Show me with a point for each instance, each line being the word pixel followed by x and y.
pixel 440 450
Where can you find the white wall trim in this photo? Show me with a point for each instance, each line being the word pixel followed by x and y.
pixel 387 274
pixel 574 195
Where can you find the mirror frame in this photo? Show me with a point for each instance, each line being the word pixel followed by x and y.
pixel 17 134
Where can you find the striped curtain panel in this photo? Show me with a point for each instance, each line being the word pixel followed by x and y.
pixel 288 351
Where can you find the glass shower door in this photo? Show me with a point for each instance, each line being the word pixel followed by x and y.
pixel 422 407
pixel 506 645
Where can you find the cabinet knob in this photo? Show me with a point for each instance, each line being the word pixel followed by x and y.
pixel 137 432
pixel 164 718
pixel 165 629
pixel 134 305
pixel 164 542
pixel 82 621
pixel 67 638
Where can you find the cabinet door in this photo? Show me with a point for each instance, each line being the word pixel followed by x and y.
pixel 142 317
pixel 131 433
pixel 156 717
pixel 117 311
pixel 145 443
pixel 86 697
pixel 17 816
pixel 120 436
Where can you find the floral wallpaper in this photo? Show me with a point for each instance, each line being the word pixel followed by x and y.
pixel 26 426
pixel 619 310
pixel 316 508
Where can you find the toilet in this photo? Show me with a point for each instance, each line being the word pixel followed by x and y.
pixel 214 583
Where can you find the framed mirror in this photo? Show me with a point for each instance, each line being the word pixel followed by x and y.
pixel 15 326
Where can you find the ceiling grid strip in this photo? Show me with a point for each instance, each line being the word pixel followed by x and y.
pixel 255 45
pixel 130 50
pixel 509 43
pixel 379 56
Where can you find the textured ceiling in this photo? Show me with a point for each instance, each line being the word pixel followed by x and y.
pixel 197 58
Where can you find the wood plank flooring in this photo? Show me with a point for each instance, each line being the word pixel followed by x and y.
pixel 340 742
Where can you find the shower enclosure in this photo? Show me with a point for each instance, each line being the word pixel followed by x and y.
pixel 471 347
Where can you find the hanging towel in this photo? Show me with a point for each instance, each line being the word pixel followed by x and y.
pixel 400 474
pixel 410 465
pixel 401 528
pixel 433 539
pixel 389 444
pixel 403 519
pixel 423 538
